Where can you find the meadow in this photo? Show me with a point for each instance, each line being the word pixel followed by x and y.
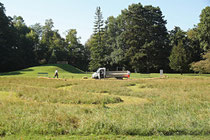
pixel 143 107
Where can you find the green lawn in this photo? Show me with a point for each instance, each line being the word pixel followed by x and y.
pixel 104 137
pixel 65 71
pixel 146 106
pixel 70 72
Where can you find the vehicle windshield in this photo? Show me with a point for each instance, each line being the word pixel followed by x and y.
pixel 98 71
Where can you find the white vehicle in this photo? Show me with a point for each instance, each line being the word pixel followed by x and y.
pixel 102 73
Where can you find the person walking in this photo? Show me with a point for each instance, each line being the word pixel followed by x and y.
pixel 56 73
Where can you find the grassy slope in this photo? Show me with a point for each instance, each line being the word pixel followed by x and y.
pixel 68 71
pixel 64 70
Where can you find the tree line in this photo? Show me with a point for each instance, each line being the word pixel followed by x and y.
pixel 22 46
pixel 136 40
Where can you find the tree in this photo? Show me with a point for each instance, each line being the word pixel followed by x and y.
pixel 202 66
pixel 178 58
pixel 7 42
pixel 194 45
pixel 76 51
pixel 176 35
pixel 4 27
pixel 114 53
pixel 98 26
pixel 46 46
pixel 26 40
pixel 38 29
pixel 144 38
pixel 53 58
pixel 97 47
pixel 204 29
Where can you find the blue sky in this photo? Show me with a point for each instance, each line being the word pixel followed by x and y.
pixel 79 14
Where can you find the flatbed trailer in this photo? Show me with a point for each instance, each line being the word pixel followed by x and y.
pixel 103 73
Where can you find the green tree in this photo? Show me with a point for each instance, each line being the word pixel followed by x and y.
pixel 53 58
pixel 204 29
pixel 202 66
pixel 194 44
pixel 17 43
pixel 179 59
pixel 7 41
pixel 26 41
pixel 176 35
pixel 114 54
pixel 38 29
pixel 50 41
pixel 97 47
pixel 77 53
pixel 144 37
pixel 57 44
pixel 98 26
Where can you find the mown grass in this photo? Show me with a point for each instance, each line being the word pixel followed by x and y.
pixel 103 137
pixel 143 107
pixel 69 72
pixel 64 70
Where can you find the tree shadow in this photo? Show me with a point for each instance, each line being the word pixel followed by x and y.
pixel 19 72
pixel 27 70
pixel 10 73
pixel 66 67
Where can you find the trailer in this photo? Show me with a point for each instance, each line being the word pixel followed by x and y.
pixel 103 73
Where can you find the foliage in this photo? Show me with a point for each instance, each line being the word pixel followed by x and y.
pixel 136 40
pixel 178 58
pixel 96 44
pixel 194 45
pixel 7 42
pixel 145 36
pixel 204 28
pixel 77 54
pixel 202 66
pixel 53 58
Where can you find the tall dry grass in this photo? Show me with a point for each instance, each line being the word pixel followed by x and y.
pixel 175 106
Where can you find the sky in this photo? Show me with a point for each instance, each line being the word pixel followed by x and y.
pixel 79 14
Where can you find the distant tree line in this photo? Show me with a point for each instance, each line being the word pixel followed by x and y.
pixel 22 46
pixel 136 40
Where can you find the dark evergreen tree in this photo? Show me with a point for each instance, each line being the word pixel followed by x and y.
pixel 179 60
pixel 97 47
pixel 26 41
pixel 53 58
pixel 141 41
pixel 8 44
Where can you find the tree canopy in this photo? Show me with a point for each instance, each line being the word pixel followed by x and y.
pixel 136 39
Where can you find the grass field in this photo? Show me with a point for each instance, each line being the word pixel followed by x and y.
pixel 143 107
pixel 65 71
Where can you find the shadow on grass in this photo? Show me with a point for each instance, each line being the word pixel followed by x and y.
pixel 10 73
pixel 19 72
pixel 66 67
pixel 26 70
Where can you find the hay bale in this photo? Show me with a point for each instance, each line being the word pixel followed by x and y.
pixel 85 77
pixel 163 76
